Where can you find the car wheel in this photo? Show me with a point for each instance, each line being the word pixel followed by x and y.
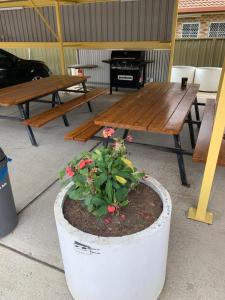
pixel 37 77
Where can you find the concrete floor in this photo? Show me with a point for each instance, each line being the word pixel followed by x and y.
pixel 30 261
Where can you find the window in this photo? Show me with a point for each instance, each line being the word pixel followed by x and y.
pixel 217 29
pixel 190 30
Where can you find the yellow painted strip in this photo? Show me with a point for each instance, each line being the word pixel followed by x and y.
pixel 29 45
pixel 41 3
pixel 60 37
pixel 201 214
pixel 120 45
pixel 142 45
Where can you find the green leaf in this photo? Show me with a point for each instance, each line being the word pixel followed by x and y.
pixel 121 194
pixel 109 191
pixel 100 211
pixel 90 207
pixel 74 194
pixel 62 173
pixel 124 203
pixel 97 201
pixel 100 179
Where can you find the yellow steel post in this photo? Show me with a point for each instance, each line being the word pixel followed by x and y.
pixel 201 214
pixel 60 37
pixel 173 40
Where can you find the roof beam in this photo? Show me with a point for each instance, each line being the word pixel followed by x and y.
pixel 41 3
pixel 139 45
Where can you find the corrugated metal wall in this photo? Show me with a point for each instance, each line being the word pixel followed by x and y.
pixel 200 52
pixel 158 71
pixel 119 21
pixel 116 21
pixel 24 25
pixel 100 76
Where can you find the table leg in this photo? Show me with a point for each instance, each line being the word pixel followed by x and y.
pixel 27 104
pixel 29 129
pixel 53 100
pixel 197 112
pixel 180 160
pixel 58 101
pixel 85 91
pixel 125 134
pixel 191 130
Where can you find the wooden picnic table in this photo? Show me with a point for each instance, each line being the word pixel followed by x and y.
pixel 159 107
pixel 22 94
pixel 31 90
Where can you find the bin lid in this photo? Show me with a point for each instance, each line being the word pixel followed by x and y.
pixel 2 155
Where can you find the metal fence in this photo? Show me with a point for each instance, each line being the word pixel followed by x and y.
pixel 200 52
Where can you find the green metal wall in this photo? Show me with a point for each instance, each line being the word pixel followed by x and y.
pixel 50 56
pixel 200 52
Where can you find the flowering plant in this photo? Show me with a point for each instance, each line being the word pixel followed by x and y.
pixel 102 178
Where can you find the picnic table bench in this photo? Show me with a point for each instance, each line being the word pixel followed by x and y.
pixel 204 137
pixel 159 107
pixel 22 94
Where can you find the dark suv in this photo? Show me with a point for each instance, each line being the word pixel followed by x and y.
pixel 14 70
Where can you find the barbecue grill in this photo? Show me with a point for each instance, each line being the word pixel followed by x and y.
pixel 127 69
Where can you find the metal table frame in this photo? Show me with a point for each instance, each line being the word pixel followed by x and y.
pixel 178 150
pixel 24 111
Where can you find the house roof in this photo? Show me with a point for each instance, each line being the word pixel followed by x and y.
pixel 200 6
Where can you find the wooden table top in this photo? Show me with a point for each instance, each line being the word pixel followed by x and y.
pixel 34 89
pixel 158 107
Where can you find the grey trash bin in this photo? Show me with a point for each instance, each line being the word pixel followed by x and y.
pixel 8 215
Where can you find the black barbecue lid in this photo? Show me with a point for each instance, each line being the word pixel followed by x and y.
pixel 2 155
pixel 128 54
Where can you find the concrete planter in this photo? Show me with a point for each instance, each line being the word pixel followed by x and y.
pixel 182 71
pixel 131 267
pixel 208 78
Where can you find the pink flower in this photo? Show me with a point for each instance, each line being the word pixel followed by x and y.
pixel 88 161
pixel 111 209
pixel 129 138
pixel 69 172
pixel 82 164
pixel 85 162
pixel 108 132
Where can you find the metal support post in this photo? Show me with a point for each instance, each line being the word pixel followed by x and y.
pixel 197 112
pixel 58 101
pixel 191 130
pixel 180 160
pixel 126 131
pixel 173 40
pixel 29 129
pixel 200 213
pixel 86 91
pixel 27 105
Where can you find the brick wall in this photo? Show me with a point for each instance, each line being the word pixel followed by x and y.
pixel 204 21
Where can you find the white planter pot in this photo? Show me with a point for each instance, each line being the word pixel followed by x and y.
pixel 208 78
pixel 132 267
pixel 182 71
